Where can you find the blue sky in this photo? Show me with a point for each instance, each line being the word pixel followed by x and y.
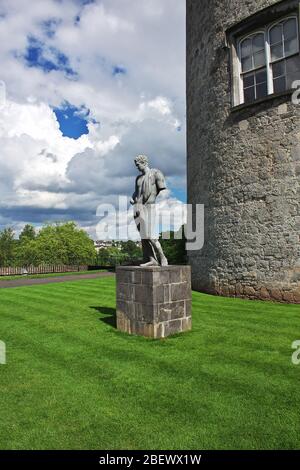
pixel 73 121
pixel 89 84
pixel 35 57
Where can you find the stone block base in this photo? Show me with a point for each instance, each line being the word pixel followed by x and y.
pixel 154 301
pixel 277 292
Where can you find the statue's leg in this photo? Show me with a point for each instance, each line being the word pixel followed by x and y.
pixel 149 254
pixel 157 247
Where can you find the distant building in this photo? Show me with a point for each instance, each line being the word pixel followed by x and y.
pixel 99 244
pixel 244 146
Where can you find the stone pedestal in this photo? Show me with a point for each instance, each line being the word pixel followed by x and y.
pixel 154 301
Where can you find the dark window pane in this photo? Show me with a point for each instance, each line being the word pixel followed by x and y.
pixel 276 34
pixel 253 52
pixel 249 94
pixel 279 84
pixel 278 69
pixel 246 48
pixel 261 76
pixel 247 64
pixel 291 46
pixel 258 42
pixel 259 59
pixel 293 64
pixel 292 70
pixel 277 51
pixel 261 90
pixel 290 28
pixel 249 80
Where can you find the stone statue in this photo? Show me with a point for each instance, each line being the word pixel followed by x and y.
pixel 147 187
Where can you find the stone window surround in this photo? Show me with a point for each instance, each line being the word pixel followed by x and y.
pixel 261 21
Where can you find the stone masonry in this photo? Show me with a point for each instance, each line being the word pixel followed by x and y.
pixel 154 301
pixel 243 165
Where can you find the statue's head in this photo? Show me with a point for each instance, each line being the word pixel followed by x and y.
pixel 141 162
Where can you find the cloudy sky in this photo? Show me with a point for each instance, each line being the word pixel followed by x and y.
pixel 85 87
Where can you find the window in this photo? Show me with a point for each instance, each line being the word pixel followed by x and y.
pixel 284 44
pixel 253 64
pixel 269 60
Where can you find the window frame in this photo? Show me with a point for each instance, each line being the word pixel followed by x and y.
pixel 240 71
pixel 272 25
pixel 265 30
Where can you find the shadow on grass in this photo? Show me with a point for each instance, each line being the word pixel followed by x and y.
pixel 110 319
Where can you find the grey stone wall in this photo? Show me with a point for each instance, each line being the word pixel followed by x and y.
pixel 244 166
pixel 154 301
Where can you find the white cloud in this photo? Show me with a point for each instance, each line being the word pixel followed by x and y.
pixel 160 104
pixel 29 133
pixel 139 111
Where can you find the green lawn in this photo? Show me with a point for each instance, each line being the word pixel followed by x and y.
pixel 39 276
pixel 73 381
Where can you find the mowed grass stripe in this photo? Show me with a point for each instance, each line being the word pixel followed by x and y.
pixel 73 381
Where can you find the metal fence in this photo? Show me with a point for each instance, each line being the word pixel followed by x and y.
pixel 43 269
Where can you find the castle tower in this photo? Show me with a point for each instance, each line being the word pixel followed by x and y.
pixel 244 146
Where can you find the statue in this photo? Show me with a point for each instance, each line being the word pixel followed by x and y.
pixel 147 187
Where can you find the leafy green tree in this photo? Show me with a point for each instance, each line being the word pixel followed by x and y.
pixel 7 247
pixel 103 258
pixel 65 243
pixel 174 248
pixel 111 256
pixel 27 253
pixel 60 243
pixel 117 256
pixel 28 232
pixel 132 250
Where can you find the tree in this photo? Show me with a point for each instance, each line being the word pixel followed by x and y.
pixel 79 246
pixel 7 247
pixel 27 253
pixel 111 256
pixel 132 250
pixel 28 232
pixel 59 243
pixel 103 257
pixel 174 248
